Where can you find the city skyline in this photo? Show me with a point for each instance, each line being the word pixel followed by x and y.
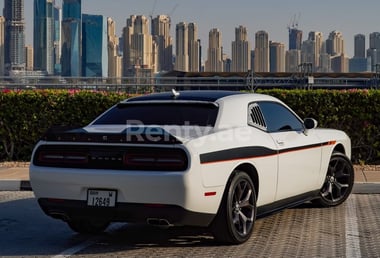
pixel 347 16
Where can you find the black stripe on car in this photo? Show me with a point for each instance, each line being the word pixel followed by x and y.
pixel 252 152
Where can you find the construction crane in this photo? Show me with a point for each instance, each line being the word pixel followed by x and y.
pixel 172 11
pixel 293 24
pixel 153 9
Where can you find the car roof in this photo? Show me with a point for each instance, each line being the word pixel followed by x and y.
pixel 195 95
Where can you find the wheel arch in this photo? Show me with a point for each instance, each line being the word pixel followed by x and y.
pixel 252 173
pixel 339 148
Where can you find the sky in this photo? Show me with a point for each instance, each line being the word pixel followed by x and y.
pixel 274 16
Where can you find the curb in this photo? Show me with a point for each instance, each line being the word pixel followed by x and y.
pixel 15 185
pixel 366 188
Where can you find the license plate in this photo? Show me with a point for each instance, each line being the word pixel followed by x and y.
pixel 101 198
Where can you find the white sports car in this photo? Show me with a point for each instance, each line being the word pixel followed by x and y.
pixel 215 159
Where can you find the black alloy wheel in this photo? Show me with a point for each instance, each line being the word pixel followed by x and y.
pixel 338 182
pixel 236 216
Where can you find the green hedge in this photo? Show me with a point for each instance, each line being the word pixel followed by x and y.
pixel 26 115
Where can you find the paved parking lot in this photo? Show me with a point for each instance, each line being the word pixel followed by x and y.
pixel 349 230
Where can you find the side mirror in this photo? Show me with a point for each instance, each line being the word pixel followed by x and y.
pixel 310 123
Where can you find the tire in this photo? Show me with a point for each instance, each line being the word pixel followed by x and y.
pixel 235 219
pixel 83 226
pixel 338 182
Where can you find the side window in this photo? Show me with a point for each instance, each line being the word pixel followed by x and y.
pixel 255 116
pixel 279 118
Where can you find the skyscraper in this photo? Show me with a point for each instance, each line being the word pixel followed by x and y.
pixel 335 44
pixel 374 40
pixel 277 57
pixel 214 61
pixel 71 38
pixel 57 40
pixel 182 47
pixel 261 51
pixel 2 40
pixel 295 38
pixel 14 35
pixel 359 46
pixel 114 59
pixel 94 46
pixel 29 58
pixel 359 62
pixel 311 50
pixel 374 49
pixel 161 35
pixel 292 60
pixel 194 48
pixel 139 49
pixel 241 51
pixel 187 48
pixel 44 35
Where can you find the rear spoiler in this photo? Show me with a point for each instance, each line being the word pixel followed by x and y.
pixel 137 134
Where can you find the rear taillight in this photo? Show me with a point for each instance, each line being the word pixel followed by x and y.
pixel 111 157
pixel 61 157
pixel 173 160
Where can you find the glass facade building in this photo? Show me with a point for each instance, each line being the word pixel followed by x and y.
pixel 295 39
pixel 14 35
pixel 44 35
pixel 71 38
pixel 57 40
pixel 94 40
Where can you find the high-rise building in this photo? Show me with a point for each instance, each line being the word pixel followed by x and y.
pixel 241 51
pixel 182 47
pixel 94 46
pixel 311 50
pixel 357 65
pixel 359 46
pixel 277 57
pixel 44 35
pixel 187 48
pixel 2 40
pixel 161 26
pixel 71 38
pixel 139 49
pixel 339 64
pixel 201 62
pixel 57 40
pixel 214 61
pixel 14 35
pixel 114 59
pixel 292 60
pixel 261 51
pixel 359 62
pixel 335 44
pixel 374 50
pixel 227 63
pixel 374 40
pixel 29 58
pixel 325 60
pixel 295 38
pixel 194 48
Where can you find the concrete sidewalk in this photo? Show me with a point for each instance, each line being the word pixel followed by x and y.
pixel 367 179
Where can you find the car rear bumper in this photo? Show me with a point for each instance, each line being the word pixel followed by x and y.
pixel 182 189
pixel 163 215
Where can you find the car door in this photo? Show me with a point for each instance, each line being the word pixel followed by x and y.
pixel 299 152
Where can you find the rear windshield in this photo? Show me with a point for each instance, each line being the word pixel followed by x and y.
pixel 160 114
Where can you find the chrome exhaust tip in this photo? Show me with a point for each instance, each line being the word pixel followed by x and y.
pixel 162 223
